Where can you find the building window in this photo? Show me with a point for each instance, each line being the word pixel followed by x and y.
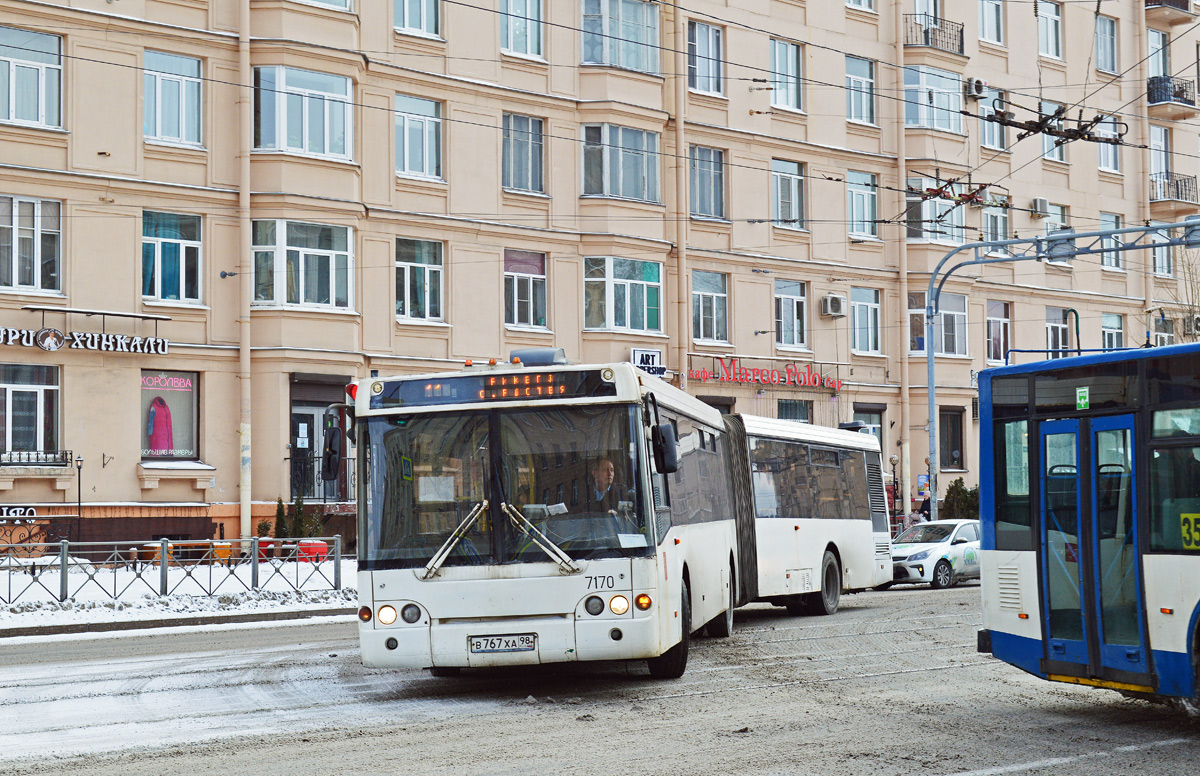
pixel 301 111
pixel 169 415
pixel 418 137
pixel 993 134
pixel 416 16
pixel 28 412
pixel 1058 337
pixel 999 331
pixel 522 153
pixel 1049 19
pixel 30 78
pixel 873 419
pixel 1110 153
pixel 791 313
pixel 786 71
pixel 1106 44
pixel 1164 332
pixel 524 288
pixel 861 204
pixel 864 320
pixel 620 162
pixel 1052 147
pixel 866 5
pixel 934 219
pixel 707 182
pixel 991 21
pixel 704 58
pixel 949 332
pixel 1164 260
pixel 622 294
pixel 933 99
pixel 622 33
pixel 1159 58
pixel 796 409
pixel 995 223
pixel 298 263
pixel 521 27
pixel 418 279
pixel 30 244
pixel 1110 258
pixel 1112 331
pixel 710 306
pixel 952 454
pixel 787 194
pixel 860 90
pixel 172 104
pixel 343 5
pixel 170 257
pixel 1055 219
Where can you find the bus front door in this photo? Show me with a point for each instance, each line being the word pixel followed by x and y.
pixel 1092 610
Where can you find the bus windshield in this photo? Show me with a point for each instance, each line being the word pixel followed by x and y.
pixel 571 472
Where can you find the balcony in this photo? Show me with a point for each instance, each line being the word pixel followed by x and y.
pixel 1169 11
pixel 922 29
pixel 36 458
pixel 1171 98
pixel 1172 196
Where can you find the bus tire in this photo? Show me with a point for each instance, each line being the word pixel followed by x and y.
pixel 826 601
pixel 721 626
pixel 672 663
pixel 943 575
pixel 443 672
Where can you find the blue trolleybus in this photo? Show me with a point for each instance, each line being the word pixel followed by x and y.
pixel 1090 506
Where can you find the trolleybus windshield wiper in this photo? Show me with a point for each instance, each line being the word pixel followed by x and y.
pixel 439 557
pixel 565 564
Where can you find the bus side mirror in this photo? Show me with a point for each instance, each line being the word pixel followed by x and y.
pixel 331 456
pixel 666 452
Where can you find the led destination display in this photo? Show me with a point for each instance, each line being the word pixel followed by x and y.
pixel 468 389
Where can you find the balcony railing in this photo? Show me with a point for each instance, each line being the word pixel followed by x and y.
pixel 35 457
pixel 1165 88
pixel 923 29
pixel 1170 186
pixel 1182 5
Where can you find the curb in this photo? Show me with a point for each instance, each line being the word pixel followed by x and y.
pixel 214 619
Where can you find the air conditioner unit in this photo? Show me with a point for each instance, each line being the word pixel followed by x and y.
pixel 1039 207
pixel 833 305
pixel 975 88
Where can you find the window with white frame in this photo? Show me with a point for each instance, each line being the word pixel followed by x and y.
pixel 1164 332
pixel 860 90
pixel 623 33
pixel 170 257
pixel 29 407
pixel 992 134
pixel 995 222
pixel 704 58
pixel 30 78
pixel 622 294
pixel 991 21
pixel 1055 219
pixel 523 153
pixel 1106 44
pixel 1110 258
pixel 862 204
pixel 1109 153
pixel 30 244
pixel 864 320
pixel 707 185
pixel 872 419
pixel 1112 331
pixel 298 263
pixel 418 137
pixel 418 279
pixel 787 194
pixel 934 219
pixel 521 27
pixel 933 99
pixel 1159 57
pixel 1058 336
pixel 791 313
pixel 302 111
pixel 620 162
pixel 416 16
pixel 1052 148
pixel 786 72
pixel 949 330
pixel 710 306
pixel 343 5
pixel 999 331
pixel 1049 19
pixel 1162 256
pixel 172 100
pixel 866 5
pixel 524 288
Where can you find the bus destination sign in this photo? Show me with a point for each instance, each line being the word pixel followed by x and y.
pixel 468 389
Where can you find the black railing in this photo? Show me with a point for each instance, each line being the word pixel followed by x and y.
pixel 923 29
pixel 1168 185
pixel 308 482
pixel 1182 5
pixel 35 457
pixel 1166 88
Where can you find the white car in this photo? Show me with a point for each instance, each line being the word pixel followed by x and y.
pixel 940 553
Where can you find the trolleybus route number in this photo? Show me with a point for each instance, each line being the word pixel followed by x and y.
pixel 601 583
pixel 1189 526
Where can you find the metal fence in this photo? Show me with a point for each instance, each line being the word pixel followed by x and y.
pixel 35 457
pixel 308 482
pixel 67 570
pixel 1169 185
pixel 1182 5
pixel 1167 88
pixel 923 29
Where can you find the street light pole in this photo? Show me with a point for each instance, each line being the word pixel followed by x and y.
pixel 78 498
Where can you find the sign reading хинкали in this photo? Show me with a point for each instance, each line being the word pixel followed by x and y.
pixel 52 339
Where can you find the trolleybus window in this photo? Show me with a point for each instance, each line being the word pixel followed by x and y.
pixel 1174 502
pixel 1109 386
pixel 1173 379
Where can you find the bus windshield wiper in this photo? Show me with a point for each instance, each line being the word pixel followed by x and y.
pixel 439 557
pixel 565 564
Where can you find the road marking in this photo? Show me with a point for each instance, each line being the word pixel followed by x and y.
pixel 1055 761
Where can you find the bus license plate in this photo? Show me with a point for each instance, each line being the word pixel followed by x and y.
pixel 517 642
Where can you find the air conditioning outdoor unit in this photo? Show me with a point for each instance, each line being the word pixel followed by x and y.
pixel 975 88
pixel 1040 207
pixel 833 305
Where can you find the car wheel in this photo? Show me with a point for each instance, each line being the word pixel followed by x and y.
pixel 826 601
pixel 943 575
pixel 672 663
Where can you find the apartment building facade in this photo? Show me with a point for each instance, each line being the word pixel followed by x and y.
pixel 214 213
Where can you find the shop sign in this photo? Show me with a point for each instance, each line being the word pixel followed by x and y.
pixel 649 361
pixel 11 512
pixel 792 374
pixel 51 340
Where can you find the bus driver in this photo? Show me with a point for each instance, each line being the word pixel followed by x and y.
pixel 601 495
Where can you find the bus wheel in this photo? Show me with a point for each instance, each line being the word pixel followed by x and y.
pixel 444 671
pixel 826 601
pixel 672 663
pixel 943 576
pixel 721 626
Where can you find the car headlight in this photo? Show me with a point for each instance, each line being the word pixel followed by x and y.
pixel 920 555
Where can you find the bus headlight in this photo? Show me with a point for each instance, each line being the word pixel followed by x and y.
pixel 411 613
pixel 619 604
pixel 642 601
pixel 386 615
pixel 594 605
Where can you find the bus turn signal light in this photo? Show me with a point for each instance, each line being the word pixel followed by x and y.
pixel 1167 611
pixel 364 614
pixel 1023 616
pixel 642 601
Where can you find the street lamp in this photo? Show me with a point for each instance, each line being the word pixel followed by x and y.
pixel 893 461
pixel 78 497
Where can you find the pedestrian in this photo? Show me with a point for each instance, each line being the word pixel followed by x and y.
pixel 924 510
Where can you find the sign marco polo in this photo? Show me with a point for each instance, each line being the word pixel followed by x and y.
pixel 791 374
pixel 53 339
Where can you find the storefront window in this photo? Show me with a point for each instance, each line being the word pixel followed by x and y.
pixel 28 414
pixel 169 415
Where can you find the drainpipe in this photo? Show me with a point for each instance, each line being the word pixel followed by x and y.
pixel 1143 124
pixel 246 140
pixel 902 256
pixel 683 320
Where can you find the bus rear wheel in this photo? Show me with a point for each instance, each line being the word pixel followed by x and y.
pixel 826 601
pixel 672 663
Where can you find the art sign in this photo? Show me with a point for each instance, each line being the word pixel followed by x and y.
pixel 649 361
pixel 792 374
pixel 51 340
